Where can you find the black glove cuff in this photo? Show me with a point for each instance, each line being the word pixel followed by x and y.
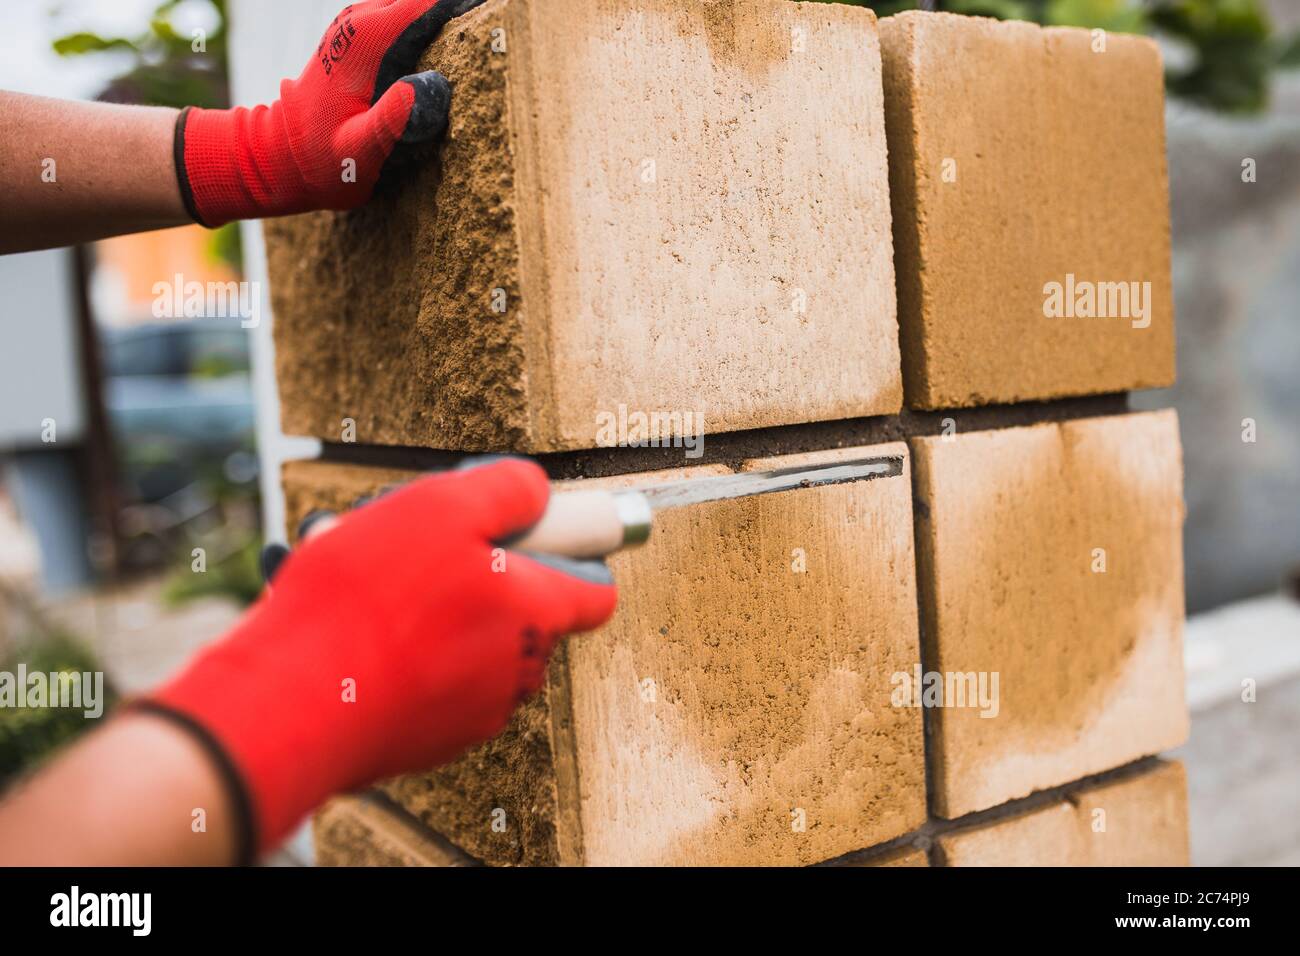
pixel 182 174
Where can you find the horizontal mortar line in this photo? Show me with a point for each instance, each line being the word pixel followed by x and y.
pixel 916 839
pixel 924 836
pixel 733 448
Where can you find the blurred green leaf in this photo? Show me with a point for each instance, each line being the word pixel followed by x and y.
pixel 76 44
pixel 168 70
pixel 1116 16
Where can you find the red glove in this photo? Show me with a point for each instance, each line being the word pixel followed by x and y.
pixel 352 114
pixel 389 643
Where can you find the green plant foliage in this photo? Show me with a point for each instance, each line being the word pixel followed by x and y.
pixel 226 245
pixel 29 735
pixel 78 43
pixel 237 575
pixel 1116 16
pixel 1234 52
pixel 168 70
pixel 1231 47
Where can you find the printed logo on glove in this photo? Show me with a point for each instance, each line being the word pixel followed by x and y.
pixel 339 41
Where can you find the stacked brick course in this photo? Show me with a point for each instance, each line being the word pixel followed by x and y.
pixel 648 206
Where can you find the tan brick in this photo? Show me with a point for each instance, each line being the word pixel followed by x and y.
pixel 1059 156
pixel 1140 820
pixel 1089 663
pixel 769 692
pixel 764 122
pixel 356 831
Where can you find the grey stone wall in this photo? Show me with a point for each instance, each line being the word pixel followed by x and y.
pixel 1237 302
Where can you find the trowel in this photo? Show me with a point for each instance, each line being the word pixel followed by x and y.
pixel 593 524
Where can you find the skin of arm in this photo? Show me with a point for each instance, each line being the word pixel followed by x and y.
pixel 76 172
pixel 126 795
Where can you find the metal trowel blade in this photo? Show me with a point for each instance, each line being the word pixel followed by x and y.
pixel 696 491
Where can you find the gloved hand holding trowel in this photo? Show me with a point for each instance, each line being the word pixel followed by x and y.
pixel 391 643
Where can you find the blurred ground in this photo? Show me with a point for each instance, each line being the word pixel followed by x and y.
pixel 1243 758
pixel 138 638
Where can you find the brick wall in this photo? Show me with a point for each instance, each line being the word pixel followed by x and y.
pixel 651 207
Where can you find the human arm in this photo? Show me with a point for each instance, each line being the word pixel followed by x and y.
pixel 76 172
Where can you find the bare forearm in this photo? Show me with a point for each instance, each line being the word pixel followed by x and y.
pixel 138 792
pixel 76 171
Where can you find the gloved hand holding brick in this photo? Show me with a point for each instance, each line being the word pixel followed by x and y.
pixel 358 110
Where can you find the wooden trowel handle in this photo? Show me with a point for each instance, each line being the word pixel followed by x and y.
pixel 589 524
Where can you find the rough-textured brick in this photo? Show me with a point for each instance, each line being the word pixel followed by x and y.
pixel 356 831
pixel 1139 820
pixel 1058 154
pixel 751 280
pixel 730 691
pixel 1010 530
